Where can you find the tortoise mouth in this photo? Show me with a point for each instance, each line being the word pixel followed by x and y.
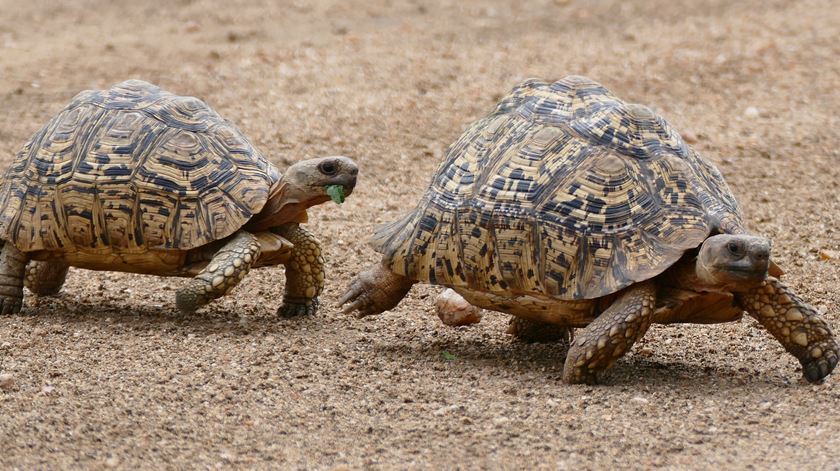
pixel 743 270
pixel 739 268
pixel 347 184
pixel 740 277
pixel 745 265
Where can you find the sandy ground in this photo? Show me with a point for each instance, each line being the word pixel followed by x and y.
pixel 108 374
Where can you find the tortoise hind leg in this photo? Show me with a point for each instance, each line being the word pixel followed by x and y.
pixel 304 272
pixel 611 334
pixel 45 278
pixel 375 290
pixel 531 331
pixel 227 268
pixel 12 272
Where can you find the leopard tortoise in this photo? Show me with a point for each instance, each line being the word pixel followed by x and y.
pixel 136 179
pixel 568 208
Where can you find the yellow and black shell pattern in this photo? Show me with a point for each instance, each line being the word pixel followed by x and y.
pixel 132 168
pixel 563 191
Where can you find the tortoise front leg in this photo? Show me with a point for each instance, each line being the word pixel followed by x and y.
pixel 12 271
pixel 611 334
pixel 304 272
pixel 796 325
pixel 227 268
pixel 45 278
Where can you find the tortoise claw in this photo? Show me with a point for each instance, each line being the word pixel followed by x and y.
pixel 355 305
pixel 359 302
pixel 291 309
pixel 355 296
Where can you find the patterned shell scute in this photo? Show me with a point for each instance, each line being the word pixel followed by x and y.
pixel 563 190
pixel 129 168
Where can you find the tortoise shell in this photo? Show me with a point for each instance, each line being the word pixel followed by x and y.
pixel 564 190
pixel 132 167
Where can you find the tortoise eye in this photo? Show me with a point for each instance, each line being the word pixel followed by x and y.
pixel 733 248
pixel 328 168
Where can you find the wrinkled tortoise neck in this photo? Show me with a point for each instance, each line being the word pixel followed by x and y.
pixel 287 203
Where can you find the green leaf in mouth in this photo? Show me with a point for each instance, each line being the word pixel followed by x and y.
pixel 336 193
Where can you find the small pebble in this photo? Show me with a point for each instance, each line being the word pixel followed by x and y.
pixel 689 136
pixel 645 352
pixel 751 112
pixel 7 382
pixel 826 254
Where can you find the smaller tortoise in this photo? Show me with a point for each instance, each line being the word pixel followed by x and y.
pixel 568 208
pixel 136 179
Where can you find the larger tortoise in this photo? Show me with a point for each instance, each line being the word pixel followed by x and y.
pixel 568 207
pixel 135 179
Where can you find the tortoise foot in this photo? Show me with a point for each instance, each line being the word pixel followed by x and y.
pixel 290 309
pixel 45 278
pixel 580 375
pixel 12 272
pixel 822 362
pixel 10 304
pixel 374 290
pixel 189 299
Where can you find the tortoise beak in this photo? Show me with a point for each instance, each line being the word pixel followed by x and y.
pixel 348 187
pixel 347 180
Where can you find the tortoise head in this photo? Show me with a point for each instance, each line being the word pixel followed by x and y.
pixel 733 262
pixel 306 183
pixel 309 180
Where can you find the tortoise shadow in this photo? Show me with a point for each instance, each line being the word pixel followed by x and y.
pixel 461 351
pixel 632 371
pixel 211 320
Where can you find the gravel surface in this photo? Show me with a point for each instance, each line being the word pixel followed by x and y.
pixel 108 374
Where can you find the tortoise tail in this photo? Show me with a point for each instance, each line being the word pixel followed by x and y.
pixel 389 237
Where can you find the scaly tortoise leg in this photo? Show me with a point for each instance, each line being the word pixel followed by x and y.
pixel 45 278
pixel 796 325
pixel 304 272
pixel 227 268
pixel 611 334
pixel 530 331
pixel 12 271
